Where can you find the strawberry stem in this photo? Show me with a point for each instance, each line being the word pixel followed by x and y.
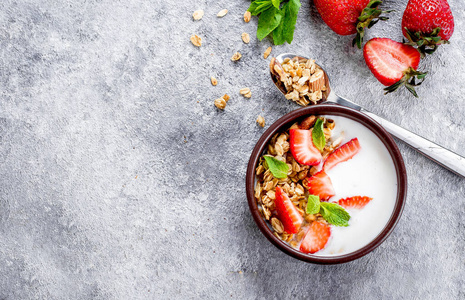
pixel 369 16
pixel 408 80
pixel 426 43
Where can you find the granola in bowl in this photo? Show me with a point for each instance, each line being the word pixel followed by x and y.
pixel 293 185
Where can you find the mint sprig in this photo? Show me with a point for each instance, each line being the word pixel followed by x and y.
pixel 276 17
pixel 318 135
pixel 278 168
pixel 313 204
pixel 333 213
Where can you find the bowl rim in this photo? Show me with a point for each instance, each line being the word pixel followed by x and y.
pixel 337 110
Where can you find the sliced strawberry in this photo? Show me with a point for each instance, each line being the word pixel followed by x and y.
pixel 320 185
pixel 287 212
pixel 341 154
pixel 354 202
pixel 302 147
pixel 394 64
pixel 316 238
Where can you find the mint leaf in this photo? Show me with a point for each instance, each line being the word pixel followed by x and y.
pixel 268 21
pixel 285 30
pixel 313 204
pixel 259 6
pixel 318 135
pixel 291 9
pixel 276 3
pixel 278 33
pixel 334 214
pixel 273 20
pixel 278 168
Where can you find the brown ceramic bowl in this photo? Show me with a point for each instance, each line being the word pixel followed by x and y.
pixel 336 110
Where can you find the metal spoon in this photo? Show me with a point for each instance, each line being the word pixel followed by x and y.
pixel 446 158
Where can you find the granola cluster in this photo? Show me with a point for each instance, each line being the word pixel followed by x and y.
pixel 295 184
pixel 303 80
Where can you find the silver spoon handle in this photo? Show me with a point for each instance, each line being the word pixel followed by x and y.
pixel 446 158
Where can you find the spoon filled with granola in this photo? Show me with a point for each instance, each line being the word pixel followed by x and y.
pixel 303 81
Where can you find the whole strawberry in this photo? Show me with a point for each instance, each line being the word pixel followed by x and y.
pixel 346 17
pixel 427 24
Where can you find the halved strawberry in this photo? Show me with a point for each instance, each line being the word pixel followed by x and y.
pixel 316 238
pixel 354 202
pixel 302 147
pixel 320 185
pixel 287 212
pixel 394 64
pixel 341 154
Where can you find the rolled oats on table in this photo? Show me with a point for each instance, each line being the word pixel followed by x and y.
pixel 196 40
pixel 221 102
pixel 222 13
pixel 261 122
pixel 245 37
pixel 247 16
pixel 197 15
pixel 246 92
pixel 236 56
pixel 267 52
pixel 213 80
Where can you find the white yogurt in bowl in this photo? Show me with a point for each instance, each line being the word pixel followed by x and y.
pixel 371 173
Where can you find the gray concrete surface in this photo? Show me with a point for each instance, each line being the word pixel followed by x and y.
pixel 119 179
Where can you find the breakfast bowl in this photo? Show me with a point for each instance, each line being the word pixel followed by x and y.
pixel 326 184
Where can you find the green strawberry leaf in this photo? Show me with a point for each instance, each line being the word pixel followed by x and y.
pixel 334 214
pixel 313 204
pixel 268 21
pixel 318 135
pixel 278 168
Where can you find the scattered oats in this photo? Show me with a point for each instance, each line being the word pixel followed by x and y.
pixel 247 16
pixel 213 80
pixel 244 91
pixel 196 40
pixel 198 14
pixel 236 56
pixel 248 95
pixel 226 97
pixel 267 52
pixel 261 121
pixel 220 103
pixel 245 37
pixel 222 13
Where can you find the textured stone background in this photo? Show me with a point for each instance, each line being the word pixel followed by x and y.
pixel 119 179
